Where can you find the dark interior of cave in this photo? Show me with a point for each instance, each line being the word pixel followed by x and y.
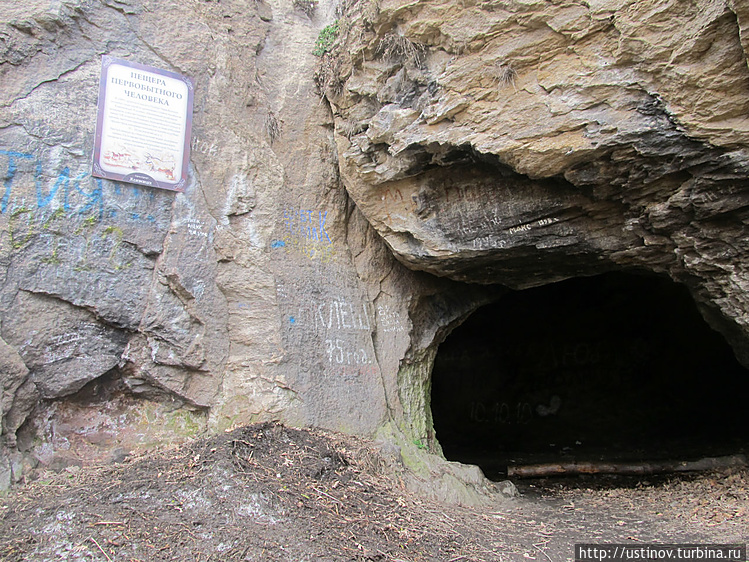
pixel 617 367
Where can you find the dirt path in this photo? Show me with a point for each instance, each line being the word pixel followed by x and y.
pixel 271 493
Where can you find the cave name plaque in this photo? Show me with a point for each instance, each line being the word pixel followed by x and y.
pixel 143 125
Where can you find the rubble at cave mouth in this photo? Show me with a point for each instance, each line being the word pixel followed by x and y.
pixel 616 367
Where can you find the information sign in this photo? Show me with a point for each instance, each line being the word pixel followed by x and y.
pixel 143 125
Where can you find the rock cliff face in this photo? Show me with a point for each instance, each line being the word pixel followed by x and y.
pixel 526 142
pixel 131 316
pixel 317 258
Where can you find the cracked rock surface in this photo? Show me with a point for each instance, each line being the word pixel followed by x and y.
pixel 335 229
pixel 130 316
pixel 523 143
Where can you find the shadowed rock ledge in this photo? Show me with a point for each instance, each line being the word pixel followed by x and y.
pixel 522 143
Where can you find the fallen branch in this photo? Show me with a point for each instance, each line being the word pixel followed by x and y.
pixel 538 547
pixel 327 495
pixel 641 468
pixel 100 548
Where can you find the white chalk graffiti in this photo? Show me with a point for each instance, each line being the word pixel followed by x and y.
pixel 486 242
pixel 202 147
pixel 341 315
pixel 195 227
pixel 388 320
pixel 529 225
pixel 521 228
pixel 339 352
pixel 63 346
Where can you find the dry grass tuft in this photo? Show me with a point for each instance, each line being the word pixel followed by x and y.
pixel 327 77
pixel 348 128
pixel 504 74
pixel 307 7
pixel 396 47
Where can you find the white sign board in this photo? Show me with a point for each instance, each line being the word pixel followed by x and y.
pixel 143 125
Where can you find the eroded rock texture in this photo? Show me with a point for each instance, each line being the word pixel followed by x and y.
pixel 526 142
pixel 132 317
pixel 506 144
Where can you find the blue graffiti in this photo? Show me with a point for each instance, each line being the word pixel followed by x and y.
pixel 138 217
pixel 75 198
pixel 12 156
pixel 305 224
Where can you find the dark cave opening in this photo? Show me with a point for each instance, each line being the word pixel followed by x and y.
pixel 616 367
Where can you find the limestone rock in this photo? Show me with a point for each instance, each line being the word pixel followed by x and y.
pixel 102 278
pixel 239 299
pixel 64 347
pixel 543 144
pixel 18 392
pixel 323 250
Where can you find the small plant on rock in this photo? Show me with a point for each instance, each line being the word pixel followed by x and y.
pixel 326 39
pixel 272 128
pixel 504 74
pixel 349 128
pixel 327 77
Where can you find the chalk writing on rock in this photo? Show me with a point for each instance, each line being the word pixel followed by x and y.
pixel 63 346
pixel 520 228
pixel 388 320
pixel 488 242
pixel 200 146
pixel 529 225
pixel 195 227
pixel 340 315
pixel 340 352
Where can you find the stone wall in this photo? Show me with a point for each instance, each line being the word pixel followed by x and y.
pixel 337 205
pixel 132 316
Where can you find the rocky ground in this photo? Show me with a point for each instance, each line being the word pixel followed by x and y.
pixel 271 493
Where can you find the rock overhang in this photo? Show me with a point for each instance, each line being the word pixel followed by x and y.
pixel 520 148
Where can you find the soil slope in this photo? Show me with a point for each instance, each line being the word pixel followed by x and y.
pixel 272 493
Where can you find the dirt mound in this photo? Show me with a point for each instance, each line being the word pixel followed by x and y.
pixel 263 492
pixel 271 493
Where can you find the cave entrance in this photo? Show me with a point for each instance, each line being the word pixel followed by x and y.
pixel 616 367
